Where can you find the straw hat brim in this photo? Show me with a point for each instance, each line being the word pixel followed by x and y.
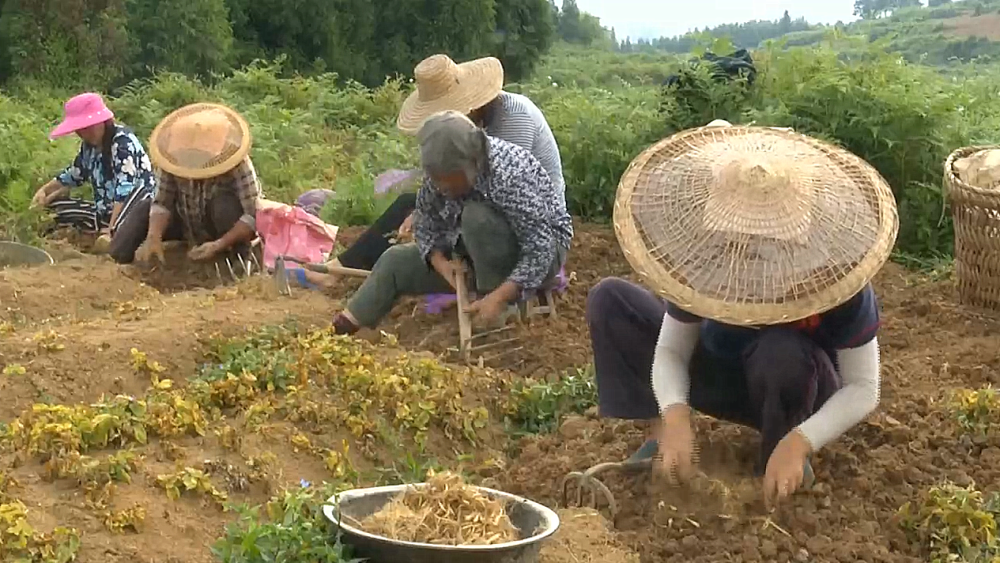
pixel 749 279
pixel 480 81
pixel 160 160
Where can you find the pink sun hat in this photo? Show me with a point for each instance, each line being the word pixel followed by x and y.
pixel 81 112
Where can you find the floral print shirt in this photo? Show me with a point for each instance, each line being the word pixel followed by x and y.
pixel 518 186
pixel 130 165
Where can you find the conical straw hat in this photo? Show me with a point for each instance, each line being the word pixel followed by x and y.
pixel 443 85
pixel 200 141
pixel 752 225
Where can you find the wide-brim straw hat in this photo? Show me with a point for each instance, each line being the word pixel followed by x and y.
pixel 753 225
pixel 443 85
pixel 200 141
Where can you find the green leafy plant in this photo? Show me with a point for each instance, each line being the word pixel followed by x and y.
pixel 291 527
pixel 538 407
pixel 977 411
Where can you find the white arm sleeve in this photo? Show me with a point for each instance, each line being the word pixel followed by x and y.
pixel 859 369
pixel 674 348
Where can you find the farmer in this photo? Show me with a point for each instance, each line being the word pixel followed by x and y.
pixel 763 253
pixel 474 88
pixel 115 163
pixel 207 186
pixel 482 198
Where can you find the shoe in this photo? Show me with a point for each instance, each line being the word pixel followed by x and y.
pixel 343 325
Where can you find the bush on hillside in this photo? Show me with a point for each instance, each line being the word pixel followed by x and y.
pixel 902 119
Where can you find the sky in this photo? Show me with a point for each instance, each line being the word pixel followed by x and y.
pixel 664 18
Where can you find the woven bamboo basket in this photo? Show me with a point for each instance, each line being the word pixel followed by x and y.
pixel 976 215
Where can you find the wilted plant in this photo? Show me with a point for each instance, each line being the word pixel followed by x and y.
pixel 954 523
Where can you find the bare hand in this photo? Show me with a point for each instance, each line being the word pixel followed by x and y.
pixel 488 309
pixel 784 472
pixel 676 452
pixel 406 229
pixel 150 249
pixel 205 251
pixel 40 199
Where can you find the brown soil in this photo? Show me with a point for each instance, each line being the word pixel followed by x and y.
pixel 930 346
pixel 986 25
pixel 584 537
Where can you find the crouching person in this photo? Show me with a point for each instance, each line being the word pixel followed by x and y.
pixel 207 186
pixel 767 316
pixel 484 200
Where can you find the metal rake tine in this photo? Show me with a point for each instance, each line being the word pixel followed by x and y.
pixel 232 272
pixel 571 476
pixel 253 256
pixel 218 272
pixel 505 328
pixel 489 345
pixel 501 354
pixel 596 486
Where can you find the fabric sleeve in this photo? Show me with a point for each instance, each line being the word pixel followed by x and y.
pixel 859 370
pixel 247 186
pixel 430 231
pixel 518 195
pixel 75 174
pixel 126 160
pixel 674 348
pixel 166 189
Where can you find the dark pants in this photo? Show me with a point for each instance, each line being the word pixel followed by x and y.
pixel 783 377
pixel 225 210
pixel 370 246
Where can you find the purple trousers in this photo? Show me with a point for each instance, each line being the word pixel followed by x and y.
pixel 782 378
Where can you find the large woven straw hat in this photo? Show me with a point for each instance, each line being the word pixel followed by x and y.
pixel 752 225
pixel 443 85
pixel 200 141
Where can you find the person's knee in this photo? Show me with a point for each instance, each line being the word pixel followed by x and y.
pixel 478 218
pixel 784 357
pixel 605 299
pixel 395 259
pixel 121 253
pixel 225 210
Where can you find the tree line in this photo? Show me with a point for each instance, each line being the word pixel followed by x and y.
pixel 103 44
pixel 746 35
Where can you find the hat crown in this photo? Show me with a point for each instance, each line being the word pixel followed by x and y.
pixel 200 141
pixel 435 77
pixel 84 104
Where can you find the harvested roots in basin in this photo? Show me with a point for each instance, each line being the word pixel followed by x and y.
pixel 445 511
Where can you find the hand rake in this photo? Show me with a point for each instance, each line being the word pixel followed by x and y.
pixel 588 480
pixel 466 335
pixel 247 266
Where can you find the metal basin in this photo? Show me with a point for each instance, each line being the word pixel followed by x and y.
pixel 534 522
pixel 17 254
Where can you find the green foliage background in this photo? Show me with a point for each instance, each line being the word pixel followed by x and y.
pixel 320 118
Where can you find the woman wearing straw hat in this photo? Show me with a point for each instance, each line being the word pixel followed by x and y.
pixel 485 199
pixel 473 88
pixel 207 186
pixel 115 163
pixel 761 256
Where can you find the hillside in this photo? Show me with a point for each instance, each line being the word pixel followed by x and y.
pixel 955 32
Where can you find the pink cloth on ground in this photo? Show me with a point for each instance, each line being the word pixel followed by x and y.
pixel 292 231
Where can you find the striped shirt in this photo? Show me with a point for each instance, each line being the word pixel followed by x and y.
pixel 519 121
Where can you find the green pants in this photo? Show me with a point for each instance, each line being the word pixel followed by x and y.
pixel 490 243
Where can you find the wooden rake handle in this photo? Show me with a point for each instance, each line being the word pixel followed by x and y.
pixel 464 319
